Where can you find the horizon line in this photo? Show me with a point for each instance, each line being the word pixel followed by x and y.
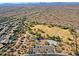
pixel 37 2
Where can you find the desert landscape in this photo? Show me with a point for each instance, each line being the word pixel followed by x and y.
pixel 39 29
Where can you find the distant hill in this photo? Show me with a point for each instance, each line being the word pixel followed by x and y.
pixel 40 3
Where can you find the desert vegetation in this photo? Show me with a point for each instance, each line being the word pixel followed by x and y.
pixel 33 30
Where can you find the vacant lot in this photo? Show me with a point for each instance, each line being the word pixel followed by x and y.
pixel 53 31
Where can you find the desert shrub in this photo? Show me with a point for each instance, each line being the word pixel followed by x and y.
pixel 33 44
pixel 51 25
pixel 47 36
pixel 47 43
pixel 63 27
pixel 72 30
pixel 37 35
pixel 41 31
pixel 11 39
pixel 56 38
pixel 69 39
pixel 29 29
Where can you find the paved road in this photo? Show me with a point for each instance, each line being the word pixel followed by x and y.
pixel 53 54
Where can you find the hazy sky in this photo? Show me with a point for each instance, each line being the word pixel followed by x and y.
pixel 14 1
